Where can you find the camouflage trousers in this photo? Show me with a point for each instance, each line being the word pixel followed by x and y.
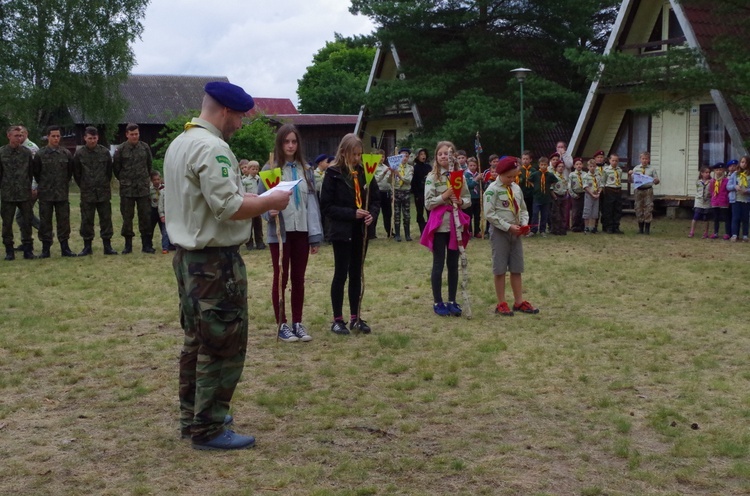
pixel 88 212
pixel 212 288
pixel 61 210
pixel 644 204
pixel 402 206
pixel 7 212
pixel 127 209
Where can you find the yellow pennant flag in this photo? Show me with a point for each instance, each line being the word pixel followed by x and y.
pixel 370 162
pixel 270 177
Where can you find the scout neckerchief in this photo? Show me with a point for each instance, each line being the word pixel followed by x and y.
pixel 704 189
pixel 617 175
pixel 743 179
pixel 596 183
pixel 526 174
pixel 543 185
pixel 716 186
pixel 402 172
pixel 580 179
pixel 512 201
pixel 357 192
pixel 190 125
pixel 293 166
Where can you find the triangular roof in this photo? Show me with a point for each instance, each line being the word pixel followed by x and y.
pixel 701 26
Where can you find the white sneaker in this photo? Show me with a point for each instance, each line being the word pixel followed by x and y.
pixel 744 239
pixel 733 239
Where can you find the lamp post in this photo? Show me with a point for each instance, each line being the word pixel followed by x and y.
pixel 521 74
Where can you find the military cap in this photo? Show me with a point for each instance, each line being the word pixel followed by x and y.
pixel 554 155
pixel 229 95
pixel 404 149
pixel 732 162
pixel 320 158
pixel 599 152
pixel 506 164
pixel 718 165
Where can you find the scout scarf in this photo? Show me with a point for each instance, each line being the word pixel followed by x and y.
pixel 716 186
pixel 402 171
pixel 617 176
pixel 544 182
pixel 596 183
pixel 743 179
pixel 297 199
pixel 580 179
pixel 512 201
pixel 526 174
pixel 357 193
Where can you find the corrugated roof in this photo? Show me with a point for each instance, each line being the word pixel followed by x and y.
pixel 155 99
pixel 318 119
pixel 273 106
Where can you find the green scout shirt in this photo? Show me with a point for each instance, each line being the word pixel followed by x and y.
pixel 434 188
pixel 203 189
pixel 543 196
pixel 53 169
pixel 16 173
pixel 92 170
pixel 132 166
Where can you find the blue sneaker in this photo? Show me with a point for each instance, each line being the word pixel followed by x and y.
pixel 286 334
pixel 441 309
pixel 227 440
pixel 454 308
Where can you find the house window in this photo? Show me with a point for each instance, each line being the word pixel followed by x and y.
pixel 388 142
pixel 715 143
pixel 633 137
pixel 666 28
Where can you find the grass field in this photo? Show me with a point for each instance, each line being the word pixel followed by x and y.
pixel 633 379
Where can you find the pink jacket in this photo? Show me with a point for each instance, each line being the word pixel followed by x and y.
pixel 722 198
pixel 433 224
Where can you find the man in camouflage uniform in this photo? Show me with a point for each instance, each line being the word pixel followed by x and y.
pixel 53 169
pixel 132 165
pixel 33 148
pixel 92 170
pixel 15 190
pixel 208 217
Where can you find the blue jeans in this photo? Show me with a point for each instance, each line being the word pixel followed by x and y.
pixel 540 217
pixel 740 216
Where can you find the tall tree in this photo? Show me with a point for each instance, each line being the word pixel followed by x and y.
pixel 58 55
pixel 456 56
pixel 335 82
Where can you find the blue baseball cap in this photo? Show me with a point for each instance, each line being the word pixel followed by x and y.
pixel 229 95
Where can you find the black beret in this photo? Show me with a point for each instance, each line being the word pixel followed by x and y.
pixel 229 95
pixel 320 158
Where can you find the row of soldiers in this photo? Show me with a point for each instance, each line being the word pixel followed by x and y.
pixel 23 165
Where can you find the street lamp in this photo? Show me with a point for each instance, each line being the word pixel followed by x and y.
pixel 521 74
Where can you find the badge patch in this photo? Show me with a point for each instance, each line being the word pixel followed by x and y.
pixel 506 203
pixel 223 160
pixel 225 172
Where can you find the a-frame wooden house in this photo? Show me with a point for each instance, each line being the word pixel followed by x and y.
pixel 713 129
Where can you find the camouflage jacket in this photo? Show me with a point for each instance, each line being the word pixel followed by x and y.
pixel 53 168
pixel 15 173
pixel 92 170
pixel 132 165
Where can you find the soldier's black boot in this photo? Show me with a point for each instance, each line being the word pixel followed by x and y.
pixel 397 231
pixel 640 228
pixel 107 247
pixel 65 249
pixel 128 245
pixel 45 250
pixel 86 248
pixel 28 251
pixel 10 254
pixel 648 227
pixel 407 232
pixel 148 247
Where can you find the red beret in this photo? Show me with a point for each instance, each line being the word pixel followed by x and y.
pixel 506 164
pixel 599 152
pixel 554 155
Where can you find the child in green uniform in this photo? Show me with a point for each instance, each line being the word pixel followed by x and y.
pixel 542 180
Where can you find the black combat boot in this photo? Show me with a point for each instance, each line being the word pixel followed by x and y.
pixel 407 232
pixel 648 227
pixel 640 228
pixel 148 247
pixel 28 251
pixel 397 231
pixel 10 254
pixel 107 247
pixel 128 245
pixel 45 250
pixel 65 249
pixel 86 248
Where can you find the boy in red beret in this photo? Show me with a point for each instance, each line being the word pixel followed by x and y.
pixel 509 219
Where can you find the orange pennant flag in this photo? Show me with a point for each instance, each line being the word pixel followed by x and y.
pixel 370 162
pixel 270 177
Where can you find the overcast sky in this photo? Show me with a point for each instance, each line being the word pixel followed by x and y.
pixel 263 46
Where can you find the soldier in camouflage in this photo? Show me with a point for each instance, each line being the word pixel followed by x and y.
pixel 132 165
pixel 208 217
pixel 15 190
pixel 53 169
pixel 92 170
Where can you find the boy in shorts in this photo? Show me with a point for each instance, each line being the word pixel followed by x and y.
pixel 508 217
